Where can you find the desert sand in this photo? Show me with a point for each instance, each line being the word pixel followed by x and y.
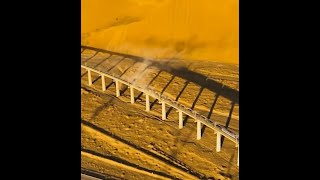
pixel 184 29
pixel 189 51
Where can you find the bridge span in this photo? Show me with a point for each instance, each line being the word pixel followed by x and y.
pixel 201 120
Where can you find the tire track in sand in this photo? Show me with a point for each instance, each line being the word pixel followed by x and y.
pixel 152 158
pixel 130 167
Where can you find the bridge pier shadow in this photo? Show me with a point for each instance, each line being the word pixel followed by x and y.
pixel 228 120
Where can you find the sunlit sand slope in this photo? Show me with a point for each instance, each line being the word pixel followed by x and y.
pixel 184 29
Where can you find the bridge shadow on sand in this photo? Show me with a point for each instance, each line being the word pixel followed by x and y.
pixel 184 73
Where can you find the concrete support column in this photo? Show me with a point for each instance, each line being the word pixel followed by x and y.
pixel 218 147
pixel 238 156
pixel 89 78
pixel 132 94
pixel 117 88
pixel 199 126
pixel 164 111
pixel 103 82
pixel 147 103
pixel 180 120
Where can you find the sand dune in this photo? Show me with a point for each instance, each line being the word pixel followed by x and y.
pixel 183 29
pixel 193 46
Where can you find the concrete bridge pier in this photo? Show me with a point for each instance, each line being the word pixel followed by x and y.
pixel 89 77
pixel 147 103
pixel 199 126
pixel 164 111
pixel 117 88
pixel 103 82
pixel 132 94
pixel 180 120
pixel 238 156
pixel 218 146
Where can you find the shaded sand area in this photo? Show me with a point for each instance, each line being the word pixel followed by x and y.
pixel 122 140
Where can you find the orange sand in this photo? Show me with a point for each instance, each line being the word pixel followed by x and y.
pixel 184 29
